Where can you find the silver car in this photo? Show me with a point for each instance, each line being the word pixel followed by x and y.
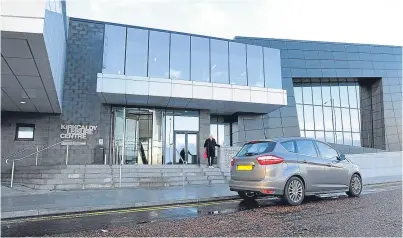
pixel 292 168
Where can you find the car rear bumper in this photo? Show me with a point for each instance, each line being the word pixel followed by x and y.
pixel 269 187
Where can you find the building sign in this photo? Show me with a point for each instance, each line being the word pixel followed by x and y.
pixel 77 131
pixel 74 142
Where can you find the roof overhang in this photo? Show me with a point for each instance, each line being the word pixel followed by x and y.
pixel 222 99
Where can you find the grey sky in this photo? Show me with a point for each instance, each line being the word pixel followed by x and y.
pixel 341 21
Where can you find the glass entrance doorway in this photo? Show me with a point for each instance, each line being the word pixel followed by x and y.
pixel 185 148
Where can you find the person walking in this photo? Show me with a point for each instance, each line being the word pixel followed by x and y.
pixel 209 146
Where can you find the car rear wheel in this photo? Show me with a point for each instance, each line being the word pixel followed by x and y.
pixel 248 195
pixel 294 191
pixel 355 187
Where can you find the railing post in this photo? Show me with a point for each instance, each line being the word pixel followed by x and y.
pixel 12 174
pixel 105 159
pixel 37 153
pixel 67 154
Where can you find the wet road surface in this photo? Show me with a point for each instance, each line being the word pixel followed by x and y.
pixel 378 212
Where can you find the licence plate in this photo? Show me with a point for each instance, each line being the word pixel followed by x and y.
pixel 244 167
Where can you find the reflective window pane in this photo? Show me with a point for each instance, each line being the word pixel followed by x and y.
pixel 344 95
pixel 136 52
pixel 329 137
pixel 310 134
pixel 352 96
pixel 338 121
pixel 219 61
pixel 326 151
pixel 357 89
pixel 300 113
pixel 317 94
pixel 347 138
pixel 355 126
pixel 307 94
pixel 328 118
pixel 114 50
pixel 179 67
pixel 308 116
pixel 326 95
pixel 320 135
pixel 345 112
pixel 298 93
pixel 200 59
pixel 306 147
pixel 158 59
pixel 255 66
pixel 272 68
pixel 289 146
pixel 318 118
pixel 339 137
pixel 335 91
pixel 302 133
pixel 356 139
pixel 237 59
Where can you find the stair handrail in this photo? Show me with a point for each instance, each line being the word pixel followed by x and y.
pixel 15 153
pixel 35 153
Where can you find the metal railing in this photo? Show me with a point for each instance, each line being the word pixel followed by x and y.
pixel 18 152
pixel 36 158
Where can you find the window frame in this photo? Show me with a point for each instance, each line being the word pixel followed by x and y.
pixel 18 126
pixel 293 144
pixel 331 147
pixel 314 145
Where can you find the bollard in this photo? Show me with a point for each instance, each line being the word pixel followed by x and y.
pixel 36 157
pixel 12 174
pixel 67 154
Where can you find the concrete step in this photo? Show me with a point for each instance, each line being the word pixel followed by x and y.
pixel 214 173
pixel 215 177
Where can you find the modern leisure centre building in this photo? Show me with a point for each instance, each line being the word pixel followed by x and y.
pixel 114 92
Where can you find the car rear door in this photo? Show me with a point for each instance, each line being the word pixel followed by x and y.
pixel 245 166
pixel 336 171
pixel 311 166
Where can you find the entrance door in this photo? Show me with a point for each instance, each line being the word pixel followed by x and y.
pixel 185 148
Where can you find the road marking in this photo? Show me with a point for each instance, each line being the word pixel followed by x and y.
pixel 119 211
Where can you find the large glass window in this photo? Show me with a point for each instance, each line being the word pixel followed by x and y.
pixel 326 151
pixel 306 147
pixel 114 50
pixel 272 68
pixel 237 59
pixel 179 67
pixel 158 59
pixel 136 52
pixel 255 66
pixel 338 120
pixel 200 59
pixel 219 61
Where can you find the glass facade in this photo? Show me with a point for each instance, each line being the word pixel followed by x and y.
pixel 150 53
pixel 329 110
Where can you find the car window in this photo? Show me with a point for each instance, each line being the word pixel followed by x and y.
pixel 289 145
pixel 257 148
pixel 306 147
pixel 326 151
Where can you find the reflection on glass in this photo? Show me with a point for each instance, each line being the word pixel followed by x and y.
pixel 186 121
pixel 237 59
pixel 356 139
pixel 357 89
pixel 114 49
pixel 192 149
pixel 318 118
pixel 219 61
pixel 200 59
pixel 347 138
pixel 329 136
pixel 300 113
pixel 326 95
pixel 298 94
pixel 328 118
pixel 344 95
pixel 136 52
pixel 307 94
pixel 338 121
pixel 308 116
pixel 317 94
pixel 320 135
pixel 272 68
pixel 352 95
pixel 169 138
pixel 339 137
pixel 302 133
pixel 214 130
pixel 335 91
pixel 255 66
pixel 158 61
pixel 118 122
pixel 346 119
pixel 180 144
pixel 179 67
pixel 221 134
pixel 354 120
pixel 310 134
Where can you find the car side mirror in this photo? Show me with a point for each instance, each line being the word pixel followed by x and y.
pixel 341 157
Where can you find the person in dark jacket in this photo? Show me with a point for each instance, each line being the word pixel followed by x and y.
pixel 209 146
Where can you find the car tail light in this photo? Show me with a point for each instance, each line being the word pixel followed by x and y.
pixel 232 162
pixel 269 159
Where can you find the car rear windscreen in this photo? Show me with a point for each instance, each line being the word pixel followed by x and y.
pixel 258 148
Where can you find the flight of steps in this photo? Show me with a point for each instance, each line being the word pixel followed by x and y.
pixel 73 177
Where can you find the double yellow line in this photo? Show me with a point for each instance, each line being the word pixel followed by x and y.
pixel 110 212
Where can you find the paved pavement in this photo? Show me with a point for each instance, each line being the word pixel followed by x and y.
pixel 376 213
pixel 22 202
